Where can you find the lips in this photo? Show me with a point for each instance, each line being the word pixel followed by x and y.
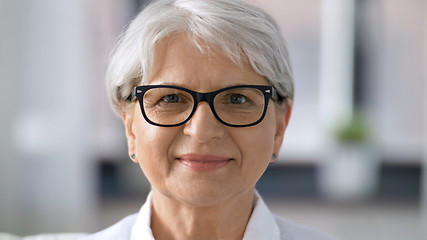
pixel 203 162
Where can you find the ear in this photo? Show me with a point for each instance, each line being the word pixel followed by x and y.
pixel 130 135
pixel 282 121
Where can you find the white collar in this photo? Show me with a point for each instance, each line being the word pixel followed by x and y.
pixel 141 230
pixel 261 225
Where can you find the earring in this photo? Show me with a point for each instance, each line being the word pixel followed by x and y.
pixel 132 156
pixel 273 159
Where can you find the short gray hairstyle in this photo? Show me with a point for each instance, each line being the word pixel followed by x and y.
pixel 241 31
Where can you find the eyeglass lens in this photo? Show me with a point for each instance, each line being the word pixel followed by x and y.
pixel 237 106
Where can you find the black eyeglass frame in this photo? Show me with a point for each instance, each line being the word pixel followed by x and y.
pixel 198 97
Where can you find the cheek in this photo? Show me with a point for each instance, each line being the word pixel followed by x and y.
pixel 152 144
pixel 260 140
pixel 256 145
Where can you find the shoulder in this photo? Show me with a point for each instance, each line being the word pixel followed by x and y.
pixel 294 231
pixel 118 231
pixel 50 236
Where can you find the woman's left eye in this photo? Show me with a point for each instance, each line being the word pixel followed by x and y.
pixel 237 99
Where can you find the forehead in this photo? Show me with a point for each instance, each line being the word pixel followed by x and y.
pixel 180 61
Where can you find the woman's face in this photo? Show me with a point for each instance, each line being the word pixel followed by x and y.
pixel 202 161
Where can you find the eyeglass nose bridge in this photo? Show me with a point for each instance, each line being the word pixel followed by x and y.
pixel 209 99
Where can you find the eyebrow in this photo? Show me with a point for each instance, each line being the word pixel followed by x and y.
pixel 187 87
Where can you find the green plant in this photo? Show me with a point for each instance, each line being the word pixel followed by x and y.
pixel 355 131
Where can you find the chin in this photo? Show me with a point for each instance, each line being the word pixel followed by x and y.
pixel 205 195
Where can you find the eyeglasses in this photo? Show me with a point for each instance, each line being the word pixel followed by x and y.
pixel 236 106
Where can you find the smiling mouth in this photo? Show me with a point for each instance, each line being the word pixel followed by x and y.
pixel 203 162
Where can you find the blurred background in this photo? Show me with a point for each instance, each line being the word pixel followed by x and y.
pixel 352 160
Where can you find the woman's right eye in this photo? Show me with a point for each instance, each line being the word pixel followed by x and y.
pixel 172 98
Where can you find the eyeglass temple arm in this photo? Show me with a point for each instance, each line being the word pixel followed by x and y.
pixel 275 96
pixel 132 95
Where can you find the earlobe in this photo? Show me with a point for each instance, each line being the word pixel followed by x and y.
pixel 130 136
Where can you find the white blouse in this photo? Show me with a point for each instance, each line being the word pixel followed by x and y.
pixel 262 225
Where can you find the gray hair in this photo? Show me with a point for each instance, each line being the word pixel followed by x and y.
pixel 242 33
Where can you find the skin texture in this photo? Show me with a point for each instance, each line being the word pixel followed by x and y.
pixel 215 203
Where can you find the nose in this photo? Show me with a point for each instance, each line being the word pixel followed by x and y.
pixel 203 126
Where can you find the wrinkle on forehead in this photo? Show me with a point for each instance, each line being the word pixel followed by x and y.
pixel 178 56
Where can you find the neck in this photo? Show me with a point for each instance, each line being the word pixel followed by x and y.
pixel 227 219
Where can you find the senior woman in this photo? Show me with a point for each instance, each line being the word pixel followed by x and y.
pixel 204 88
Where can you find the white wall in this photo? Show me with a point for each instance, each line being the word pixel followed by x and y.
pixel 54 113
